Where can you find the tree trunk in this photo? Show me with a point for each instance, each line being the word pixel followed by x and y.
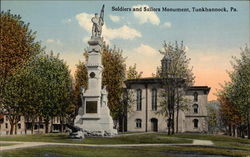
pixel 32 125
pixel 25 125
pixel 46 122
pixel 248 125
pixel 123 123
pixel 173 104
pixel 229 130
pixel 11 127
pixel 12 123
pixel 15 128
pixel 25 128
pixel 61 124
pixel 172 123
pixel 238 132
pixel 242 133
pixel 169 121
pixel 51 124
pixel 233 130
pixel 177 112
pixel 169 110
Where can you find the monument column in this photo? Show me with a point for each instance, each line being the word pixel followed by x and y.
pixel 94 115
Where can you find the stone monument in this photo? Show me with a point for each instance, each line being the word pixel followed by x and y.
pixel 94 115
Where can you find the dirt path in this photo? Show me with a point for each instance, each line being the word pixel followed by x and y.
pixel 203 142
pixel 35 144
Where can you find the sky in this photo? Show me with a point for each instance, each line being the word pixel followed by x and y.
pixel 210 38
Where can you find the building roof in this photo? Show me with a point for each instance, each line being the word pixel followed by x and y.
pixel 194 88
pixel 155 80
pixel 143 80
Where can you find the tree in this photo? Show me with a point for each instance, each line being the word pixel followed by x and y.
pixel 17 44
pixel 235 96
pixel 228 110
pixel 18 47
pixel 56 86
pixel 132 73
pixel 42 88
pixel 213 116
pixel 176 76
pixel 240 81
pixel 10 96
pixel 113 77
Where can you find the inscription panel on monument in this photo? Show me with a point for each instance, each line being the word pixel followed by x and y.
pixel 91 106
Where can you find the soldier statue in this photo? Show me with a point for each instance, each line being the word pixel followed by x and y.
pixel 98 22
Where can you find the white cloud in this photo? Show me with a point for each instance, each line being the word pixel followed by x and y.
pixel 146 50
pixel 84 20
pixel 146 17
pixel 114 18
pixel 67 21
pixel 167 24
pixel 124 32
pixel 54 41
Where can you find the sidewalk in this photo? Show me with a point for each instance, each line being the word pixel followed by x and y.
pixel 19 144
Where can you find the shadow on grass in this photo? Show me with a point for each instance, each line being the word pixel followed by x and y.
pixel 177 151
pixel 63 138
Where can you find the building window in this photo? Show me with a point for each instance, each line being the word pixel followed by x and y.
pixel 154 99
pixel 41 126
pixel 138 123
pixel 138 99
pixel 19 126
pixel 6 125
pixel 196 121
pixel 28 125
pixel 1 120
pixel 195 96
pixel 195 107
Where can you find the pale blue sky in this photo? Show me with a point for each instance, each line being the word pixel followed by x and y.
pixel 211 38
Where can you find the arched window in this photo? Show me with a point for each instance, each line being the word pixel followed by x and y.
pixel 138 99
pixel 195 108
pixel 195 121
pixel 195 96
pixel 138 123
pixel 154 99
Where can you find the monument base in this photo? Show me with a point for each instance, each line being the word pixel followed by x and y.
pixel 96 125
pixel 94 115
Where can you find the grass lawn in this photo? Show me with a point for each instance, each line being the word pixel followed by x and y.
pixel 213 138
pixel 219 140
pixel 6 144
pixel 69 151
pixel 224 146
pixel 63 138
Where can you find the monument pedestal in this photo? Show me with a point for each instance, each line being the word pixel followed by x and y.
pixel 94 115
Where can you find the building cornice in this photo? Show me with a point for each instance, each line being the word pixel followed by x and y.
pixel 155 80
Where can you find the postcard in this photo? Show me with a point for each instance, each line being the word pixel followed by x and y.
pixel 124 78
